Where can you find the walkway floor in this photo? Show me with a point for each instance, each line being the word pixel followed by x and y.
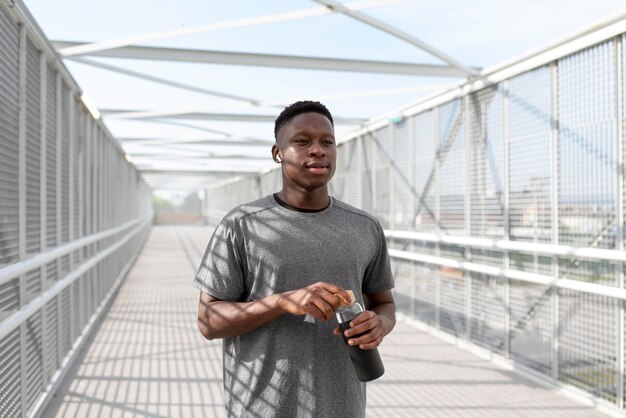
pixel 147 358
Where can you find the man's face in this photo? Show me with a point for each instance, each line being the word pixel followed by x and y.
pixel 306 145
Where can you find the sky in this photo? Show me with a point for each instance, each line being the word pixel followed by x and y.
pixel 480 33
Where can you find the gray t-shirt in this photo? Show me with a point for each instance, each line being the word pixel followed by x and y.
pixel 292 366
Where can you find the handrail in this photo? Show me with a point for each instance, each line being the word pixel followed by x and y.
pixel 505 245
pixel 536 278
pixel 13 321
pixel 19 268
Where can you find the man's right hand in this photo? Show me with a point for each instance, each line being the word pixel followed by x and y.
pixel 320 300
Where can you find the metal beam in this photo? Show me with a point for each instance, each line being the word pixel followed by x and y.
pixel 151 171
pixel 230 24
pixel 164 81
pixel 168 155
pixel 240 142
pixel 277 61
pixel 339 7
pixel 255 102
pixel 185 114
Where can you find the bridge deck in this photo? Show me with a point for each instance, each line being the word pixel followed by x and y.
pixel 147 358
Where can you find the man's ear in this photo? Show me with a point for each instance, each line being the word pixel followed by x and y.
pixel 276 154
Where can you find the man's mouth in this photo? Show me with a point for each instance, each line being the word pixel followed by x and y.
pixel 317 164
pixel 318 167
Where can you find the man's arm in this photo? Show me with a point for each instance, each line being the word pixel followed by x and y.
pixel 375 323
pixel 219 319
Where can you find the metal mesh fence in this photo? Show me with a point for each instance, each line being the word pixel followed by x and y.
pixel 424 217
pixel 54 191
pixel 530 151
pixel 9 115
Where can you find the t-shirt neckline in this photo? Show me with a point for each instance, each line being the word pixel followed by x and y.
pixel 300 210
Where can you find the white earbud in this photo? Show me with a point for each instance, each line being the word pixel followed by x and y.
pixel 278 160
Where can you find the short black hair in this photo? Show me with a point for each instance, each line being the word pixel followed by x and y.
pixel 294 109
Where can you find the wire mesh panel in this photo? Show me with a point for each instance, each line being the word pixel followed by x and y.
pixel 78 308
pixel 9 296
pixel 599 272
pixel 488 307
pixel 65 320
pixel 51 161
pixel 339 184
pixel 352 172
pixel 9 114
pixel 10 382
pixel 425 302
pixel 424 216
pixel 34 360
pixel 531 326
pixel 402 171
pixel 452 285
pixel 530 262
pixel 352 184
pixel 65 171
pixel 403 278
pixel 382 186
pixel 452 172
pixel 487 163
pixel 530 156
pixel 49 344
pixel 32 284
pixel 587 148
pixel 588 342
pixel 487 257
pixel 33 153
pixel 364 155
pixel 77 168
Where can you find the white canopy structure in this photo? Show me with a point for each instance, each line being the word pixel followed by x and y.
pixel 192 103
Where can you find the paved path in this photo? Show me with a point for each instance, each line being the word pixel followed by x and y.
pixel 147 358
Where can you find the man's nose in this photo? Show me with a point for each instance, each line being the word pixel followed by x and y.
pixel 317 149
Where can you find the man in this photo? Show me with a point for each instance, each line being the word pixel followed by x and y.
pixel 275 271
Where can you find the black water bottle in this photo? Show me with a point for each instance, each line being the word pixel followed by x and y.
pixel 367 363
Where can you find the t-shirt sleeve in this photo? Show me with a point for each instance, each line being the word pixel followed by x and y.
pixel 221 271
pixel 378 276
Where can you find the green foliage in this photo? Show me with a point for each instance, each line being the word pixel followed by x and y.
pixel 162 205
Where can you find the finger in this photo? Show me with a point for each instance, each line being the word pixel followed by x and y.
pixel 337 331
pixel 362 318
pixel 364 327
pixel 332 299
pixel 372 345
pixel 335 289
pixel 313 310
pixel 367 338
pixel 327 311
